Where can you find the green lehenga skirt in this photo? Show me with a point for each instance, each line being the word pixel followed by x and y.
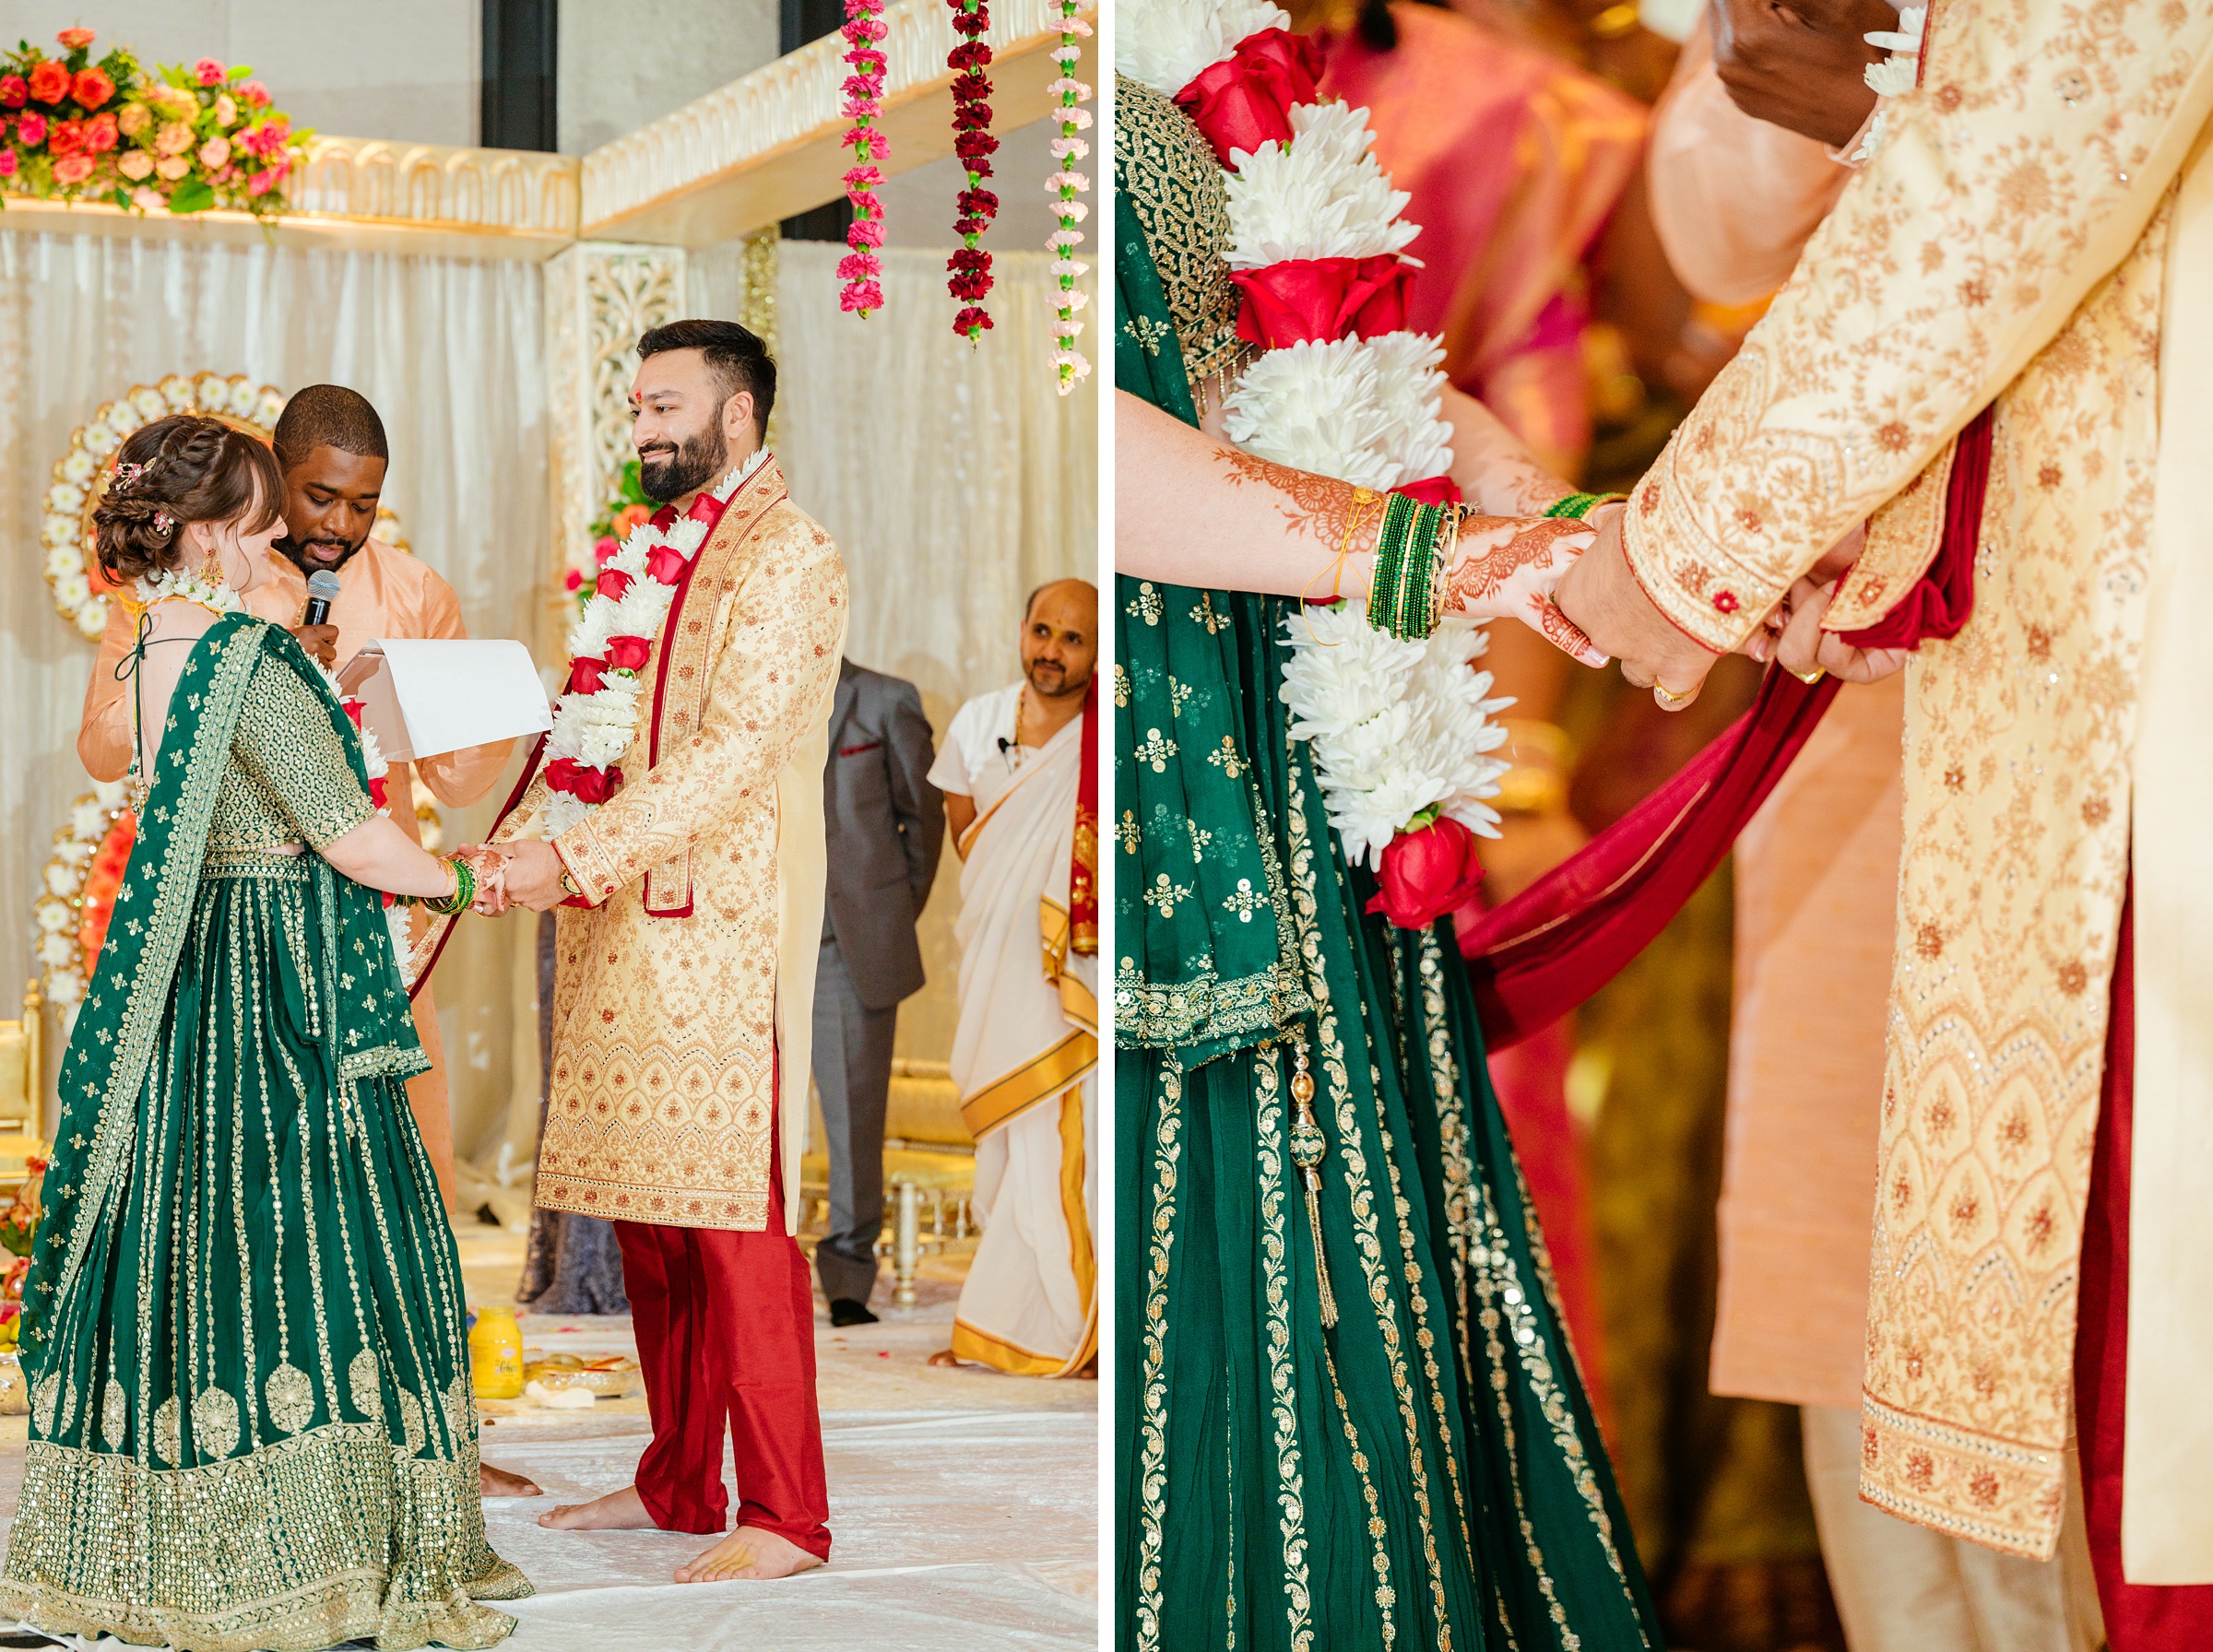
pixel 251 1423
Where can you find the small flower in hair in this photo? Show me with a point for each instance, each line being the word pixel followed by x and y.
pixel 126 474
pixel 162 522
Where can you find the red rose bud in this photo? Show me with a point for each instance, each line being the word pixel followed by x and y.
pixel 1321 300
pixel 588 675
pixel 587 786
pixel 49 81
pixel 1431 490
pixel 355 710
pixel 1247 100
pixel 1426 874
pixel 380 792
pixel 667 564
pixel 628 654
pixel 573 580
pixel 612 584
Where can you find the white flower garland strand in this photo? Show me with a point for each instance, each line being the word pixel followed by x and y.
pixel 1069 365
pixel 1895 76
pixel 596 729
pixel 178 585
pixel 1169 44
pixel 1400 729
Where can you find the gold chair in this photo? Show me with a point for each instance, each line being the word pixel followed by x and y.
pixel 22 1088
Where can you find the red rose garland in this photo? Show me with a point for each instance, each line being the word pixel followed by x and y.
pixel 860 268
pixel 970 266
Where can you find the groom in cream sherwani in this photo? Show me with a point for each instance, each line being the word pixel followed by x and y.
pixel 691 916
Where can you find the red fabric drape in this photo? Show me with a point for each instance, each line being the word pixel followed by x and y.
pixel 1084 869
pixel 1544 951
pixel 2138 1617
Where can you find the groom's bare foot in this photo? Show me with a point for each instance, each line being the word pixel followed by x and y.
pixel 618 1511
pixel 499 1482
pixel 748 1553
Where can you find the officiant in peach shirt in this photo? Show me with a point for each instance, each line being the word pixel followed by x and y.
pixel 331 444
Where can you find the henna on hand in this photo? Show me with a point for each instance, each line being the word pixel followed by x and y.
pixel 1319 506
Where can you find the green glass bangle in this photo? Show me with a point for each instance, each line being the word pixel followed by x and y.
pixel 1403 601
pixel 464 892
pixel 1579 506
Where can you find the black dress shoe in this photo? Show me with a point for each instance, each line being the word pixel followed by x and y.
pixel 843 1310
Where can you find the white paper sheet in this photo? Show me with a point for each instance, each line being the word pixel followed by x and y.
pixel 425 697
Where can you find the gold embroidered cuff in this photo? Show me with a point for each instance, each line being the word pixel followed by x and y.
pixel 591 865
pixel 1717 609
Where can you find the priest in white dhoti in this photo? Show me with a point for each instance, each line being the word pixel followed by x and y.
pixel 1019 769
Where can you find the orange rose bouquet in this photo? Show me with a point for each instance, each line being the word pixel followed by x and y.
pixel 177 139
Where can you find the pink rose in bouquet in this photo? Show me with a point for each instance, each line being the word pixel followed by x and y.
pixel 133 119
pixel 135 164
pixel 74 38
pixel 91 87
pixel 255 94
pixel 172 167
pixel 99 133
pixel 30 131
pixel 214 153
pixel 73 169
pixel 49 81
pixel 7 163
pixel 14 92
pixel 209 72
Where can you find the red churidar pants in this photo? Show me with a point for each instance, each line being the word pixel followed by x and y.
pixel 724 1325
pixel 2138 1617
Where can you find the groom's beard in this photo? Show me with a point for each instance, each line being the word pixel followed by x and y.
pixel 667 472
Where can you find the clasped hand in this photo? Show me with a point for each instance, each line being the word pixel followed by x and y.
pixel 1600 595
pixel 524 873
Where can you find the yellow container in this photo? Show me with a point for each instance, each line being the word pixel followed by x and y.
pixel 496 1355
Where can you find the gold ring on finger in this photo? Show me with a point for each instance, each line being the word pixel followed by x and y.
pixel 1669 699
pixel 1808 678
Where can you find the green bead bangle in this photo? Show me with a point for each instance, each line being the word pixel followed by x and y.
pixel 1579 506
pixel 1402 599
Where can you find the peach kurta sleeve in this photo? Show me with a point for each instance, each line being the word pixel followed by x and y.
pixel 454 777
pixel 1735 199
pixel 772 682
pixel 103 738
pixel 2042 139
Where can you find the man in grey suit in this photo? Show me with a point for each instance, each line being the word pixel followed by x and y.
pixel 886 827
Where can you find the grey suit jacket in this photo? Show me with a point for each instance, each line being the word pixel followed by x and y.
pixel 886 828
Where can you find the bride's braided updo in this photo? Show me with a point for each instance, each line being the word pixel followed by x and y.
pixel 186 468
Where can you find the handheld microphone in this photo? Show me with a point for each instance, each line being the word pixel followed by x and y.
pixel 322 588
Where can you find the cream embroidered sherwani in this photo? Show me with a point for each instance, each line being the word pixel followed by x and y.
pixel 2018 238
pixel 694 969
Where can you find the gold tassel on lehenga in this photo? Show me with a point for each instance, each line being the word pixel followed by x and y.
pixel 1307 1147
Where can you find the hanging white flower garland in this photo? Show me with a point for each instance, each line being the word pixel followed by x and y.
pixel 1399 729
pixel 1895 77
pixel 592 729
pixel 1068 150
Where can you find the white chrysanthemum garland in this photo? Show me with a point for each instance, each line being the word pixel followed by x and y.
pixel 1895 77
pixel 1400 730
pixel 1069 365
pixel 592 730
pixel 58 911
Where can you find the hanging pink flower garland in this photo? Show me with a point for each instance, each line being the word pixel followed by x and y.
pixel 970 266
pixel 860 268
pixel 1066 184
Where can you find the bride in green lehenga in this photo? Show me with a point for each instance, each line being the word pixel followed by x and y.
pixel 250 1421
pixel 1348 1414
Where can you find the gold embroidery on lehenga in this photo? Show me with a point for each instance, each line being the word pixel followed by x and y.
pixel 166 1443
pixel 1174 185
pixel 114 1414
pixel 214 1423
pixel 1283 1390
pixel 1153 1405
pixel 290 1395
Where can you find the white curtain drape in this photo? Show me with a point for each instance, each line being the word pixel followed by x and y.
pixel 954 477
pixel 452 354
